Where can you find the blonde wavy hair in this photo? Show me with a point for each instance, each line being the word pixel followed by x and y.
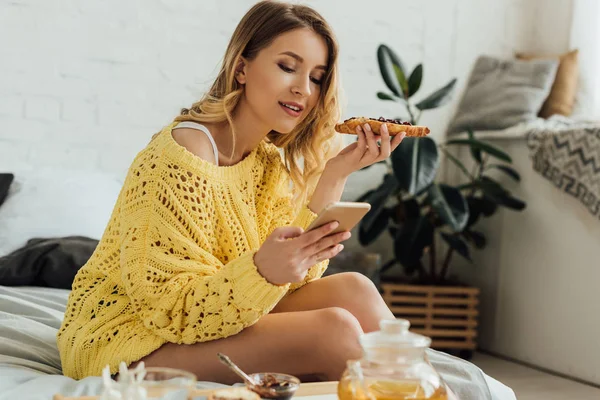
pixel 312 142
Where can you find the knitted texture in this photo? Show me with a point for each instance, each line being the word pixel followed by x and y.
pixel 175 263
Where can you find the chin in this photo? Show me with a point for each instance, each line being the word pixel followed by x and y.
pixel 284 129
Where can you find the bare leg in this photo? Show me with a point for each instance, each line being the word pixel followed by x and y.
pixel 351 291
pixel 304 343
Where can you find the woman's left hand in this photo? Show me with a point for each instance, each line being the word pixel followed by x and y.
pixel 365 151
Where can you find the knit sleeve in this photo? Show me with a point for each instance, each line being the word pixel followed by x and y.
pixel 284 215
pixel 180 291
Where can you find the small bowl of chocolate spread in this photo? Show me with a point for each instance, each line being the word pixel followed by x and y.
pixel 276 386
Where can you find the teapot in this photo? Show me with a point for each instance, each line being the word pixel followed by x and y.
pixel 394 367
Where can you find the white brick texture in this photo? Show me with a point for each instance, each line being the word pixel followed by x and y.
pixel 85 84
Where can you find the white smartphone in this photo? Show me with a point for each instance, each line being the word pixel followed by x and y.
pixel 347 213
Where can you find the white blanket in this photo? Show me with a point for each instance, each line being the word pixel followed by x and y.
pixel 30 364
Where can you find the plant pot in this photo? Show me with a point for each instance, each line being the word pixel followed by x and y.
pixel 447 314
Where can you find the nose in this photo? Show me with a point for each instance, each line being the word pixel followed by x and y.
pixel 302 87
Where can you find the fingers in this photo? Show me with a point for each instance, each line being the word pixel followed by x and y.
pixel 326 254
pixel 371 142
pixel 288 232
pixel 325 243
pixel 385 142
pixel 369 148
pixel 362 140
pixel 397 140
pixel 314 235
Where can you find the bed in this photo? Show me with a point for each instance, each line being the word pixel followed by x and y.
pixel 78 203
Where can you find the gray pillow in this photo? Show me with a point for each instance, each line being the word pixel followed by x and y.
pixel 502 93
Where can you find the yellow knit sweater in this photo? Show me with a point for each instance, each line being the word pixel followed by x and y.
pixel 175 263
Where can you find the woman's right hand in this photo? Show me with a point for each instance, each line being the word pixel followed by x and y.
pixel 289 252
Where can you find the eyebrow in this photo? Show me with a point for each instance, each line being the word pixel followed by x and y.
pixel 300 59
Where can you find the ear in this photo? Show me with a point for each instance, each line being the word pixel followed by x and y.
pixel 240 71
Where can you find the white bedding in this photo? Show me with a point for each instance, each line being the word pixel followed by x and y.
pixel 521 130
pixel 30 364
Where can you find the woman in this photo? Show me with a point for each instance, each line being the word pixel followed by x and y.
pixel 206 251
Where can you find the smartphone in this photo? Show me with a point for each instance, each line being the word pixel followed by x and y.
pixel 347 213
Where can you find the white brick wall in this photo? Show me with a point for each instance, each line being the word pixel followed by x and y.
pixel 86 83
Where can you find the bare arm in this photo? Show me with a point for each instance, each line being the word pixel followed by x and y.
pixel 328 190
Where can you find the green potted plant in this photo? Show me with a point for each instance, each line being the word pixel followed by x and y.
pixel 483 193
pixel 417 212
pixel 404 87
pixel 420 204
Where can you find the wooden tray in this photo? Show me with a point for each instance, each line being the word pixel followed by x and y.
pixel 305 390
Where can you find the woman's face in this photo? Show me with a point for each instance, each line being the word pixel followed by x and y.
pixel 283 82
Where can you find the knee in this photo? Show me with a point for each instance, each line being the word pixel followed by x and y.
pixel 338 340
pixel 356 283
pixel 341 321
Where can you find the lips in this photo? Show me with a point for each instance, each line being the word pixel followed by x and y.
pixel 293 109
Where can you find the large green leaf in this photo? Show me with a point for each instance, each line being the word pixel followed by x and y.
pixel 475 152
pixel 487 185
pixel 367 235
pixel 373 223
pixel 507 170
pixel 488 206
pixel 457 244
pixel 492 188
pixel 401 80
pixel 513 203
pixel 411 240
pixel 415 162
pixel 387 59
pixel 482 146
pixel 411 209
pixel 480 206
pixel 474 210
pixel 437 98
pixel 450 206
pixel 457 162
pixel 495 192
pixel 475 237
pixel 385 96
pixel 414 81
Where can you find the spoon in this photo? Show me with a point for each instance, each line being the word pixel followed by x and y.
pixel 225 360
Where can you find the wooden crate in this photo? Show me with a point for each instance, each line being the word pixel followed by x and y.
pixel 448 315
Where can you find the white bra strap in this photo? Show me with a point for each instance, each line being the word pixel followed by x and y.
pixel 202 128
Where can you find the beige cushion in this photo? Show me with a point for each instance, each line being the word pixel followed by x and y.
pixel 562 95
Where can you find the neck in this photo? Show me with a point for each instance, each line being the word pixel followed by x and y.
pixel 249 129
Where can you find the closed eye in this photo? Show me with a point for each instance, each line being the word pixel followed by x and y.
pixel 290 70
pixel 286 69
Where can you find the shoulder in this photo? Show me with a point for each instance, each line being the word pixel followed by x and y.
pixel 195 142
